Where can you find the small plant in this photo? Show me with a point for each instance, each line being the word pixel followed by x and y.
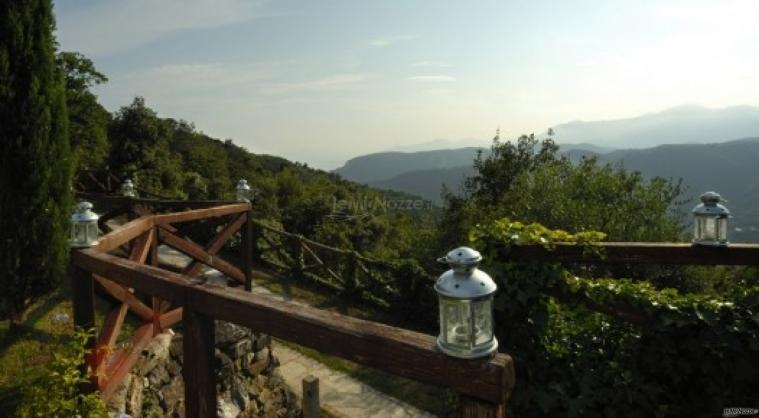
pixel 55 391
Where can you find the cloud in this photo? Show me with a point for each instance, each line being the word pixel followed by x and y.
pixel 428 64
pixel 112 26
pixel 334 82
pixel 384 41
pixel 432 78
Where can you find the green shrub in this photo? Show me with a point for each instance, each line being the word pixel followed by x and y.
pixel 587 346
pixel 55 391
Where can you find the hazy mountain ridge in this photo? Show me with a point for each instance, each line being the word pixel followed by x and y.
pixel 678 125
pixel 731 168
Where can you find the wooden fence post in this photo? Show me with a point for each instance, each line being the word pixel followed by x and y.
pixel 83 301
pixel 476 408
pixel 246 233
pixel 153 261
pixel 310 402
pixel 198 365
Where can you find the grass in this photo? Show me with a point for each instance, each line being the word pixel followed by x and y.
pixel 429 398
pixel 30 345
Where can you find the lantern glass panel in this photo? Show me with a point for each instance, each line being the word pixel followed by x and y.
pixel 706 228
pixel 92 232
pixel 78 234
pixel 722 228
pixel 456 315
pixel 483 321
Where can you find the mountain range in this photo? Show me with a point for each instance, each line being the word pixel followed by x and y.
pixel 730 168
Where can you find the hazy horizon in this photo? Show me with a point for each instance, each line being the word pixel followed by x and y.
pixel 320 82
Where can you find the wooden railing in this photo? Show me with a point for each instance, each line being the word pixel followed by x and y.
pixel 638 253
pixel 125 261
pixel 348 272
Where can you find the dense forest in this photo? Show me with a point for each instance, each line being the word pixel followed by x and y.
pixel 691 356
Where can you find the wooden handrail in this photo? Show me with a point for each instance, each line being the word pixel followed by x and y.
pixel 402 352
pixel 196 214
pixel 638 253
pixel 124 234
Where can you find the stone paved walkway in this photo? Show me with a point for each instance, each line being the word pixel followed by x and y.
pixel 339 394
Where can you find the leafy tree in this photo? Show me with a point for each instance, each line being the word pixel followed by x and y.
pixel 88 119
pixel 140 143
pixel 35 165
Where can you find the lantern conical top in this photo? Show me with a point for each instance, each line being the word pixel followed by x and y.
pixel 710 205
pixel 464 280
pixel 84 213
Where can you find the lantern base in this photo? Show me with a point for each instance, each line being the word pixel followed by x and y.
pixel 80 246
pixel 711 243
pixel 478 352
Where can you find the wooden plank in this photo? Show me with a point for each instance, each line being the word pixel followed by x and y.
pixel 123 361
pixel 246 247
pixel 123 294
pixel 124 234
pixel 197 252
pixel 402 352
pixel 216 244
pixel 641 253
pixel 83 301
pixel 475 408
pixel 142 246
pixel 193 215
pixel 107 338
pixel 198 366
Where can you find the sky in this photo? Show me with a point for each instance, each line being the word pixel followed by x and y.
pixel 323 81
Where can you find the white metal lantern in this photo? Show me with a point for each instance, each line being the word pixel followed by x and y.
pixel 243 191
pixel 84 226
pixel 465 295
pixel 127 188
pixel 710 221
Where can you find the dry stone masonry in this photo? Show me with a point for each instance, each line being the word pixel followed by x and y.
pixel 247 378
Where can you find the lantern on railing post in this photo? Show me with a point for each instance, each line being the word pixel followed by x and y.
pixel 710 221
pixel 243 191
pixel 127 188
pixel 84 226
pixel 465 296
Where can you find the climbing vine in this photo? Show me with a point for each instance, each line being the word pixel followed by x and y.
pixel 588 346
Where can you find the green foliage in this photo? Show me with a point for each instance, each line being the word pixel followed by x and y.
pixel 529 180
pixel 616 347
pixel 141 150
pixel 56 392
pixel 35 161
pixel 88 120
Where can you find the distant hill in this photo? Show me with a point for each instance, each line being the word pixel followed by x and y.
pixel 731 168
pixel 678 125
pixel 385 165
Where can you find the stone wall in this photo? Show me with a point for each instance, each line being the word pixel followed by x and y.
pixel 247 381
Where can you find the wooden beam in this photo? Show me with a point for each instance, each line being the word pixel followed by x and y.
pixel 193 215
pixel 402 352
pixel 142 246
pixel 123 294
pixel 197 252
pixel 83 301
pixel 124 234
pixel 121 363
pixel 107 338
pixel 198 366
pixel 215 245
pixel 475 408
pixel 246 247
pixel 640 253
